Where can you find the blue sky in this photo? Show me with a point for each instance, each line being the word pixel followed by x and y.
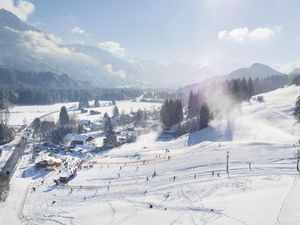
pixel 187 31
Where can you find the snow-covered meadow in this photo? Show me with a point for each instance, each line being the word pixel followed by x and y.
pixel 190 185
pixel 20 115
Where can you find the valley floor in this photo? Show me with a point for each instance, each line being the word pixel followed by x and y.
pixel 179 181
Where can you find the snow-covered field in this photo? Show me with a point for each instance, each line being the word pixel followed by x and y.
pixel 25 114
pixel 190 187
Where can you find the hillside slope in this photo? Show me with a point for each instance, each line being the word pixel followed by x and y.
pixel 256 70
pixel 26 79
pixel 192 186
pixel 25 48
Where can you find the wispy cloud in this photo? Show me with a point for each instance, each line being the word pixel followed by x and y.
pixel 79 31
pixel 112 47
pixel 243 34
pixel 49 44
pixel 21 8
pixel 287 67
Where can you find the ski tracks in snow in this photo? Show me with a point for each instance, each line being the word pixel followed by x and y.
pixel 289 213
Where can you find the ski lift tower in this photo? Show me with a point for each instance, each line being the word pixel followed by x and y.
pixel 227 162
pixel 298 158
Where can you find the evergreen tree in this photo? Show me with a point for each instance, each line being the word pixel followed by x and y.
pixel 204 116
pixel 297 109
pixel 194 104
pixel 190 105
pixel 59 132
pixel 63 116
pixel 96 103
pixel 178 111
pixel 46 129
pixel 4 102
pixel 257 85
pixel 36 125
pixel 116 111
pixel 138 116
pixel 6 133
pixel 83 104
pixel 110 137
pixel 244 89
pixel 236 89
pixel 250 88
pixel 171 113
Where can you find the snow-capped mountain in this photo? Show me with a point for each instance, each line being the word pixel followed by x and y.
pixel 8 19
pixel 25 48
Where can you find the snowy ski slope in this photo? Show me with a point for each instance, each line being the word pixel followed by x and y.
pixel 119 188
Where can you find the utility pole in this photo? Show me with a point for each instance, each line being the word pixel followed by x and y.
pixel 227 161
pixel 298 158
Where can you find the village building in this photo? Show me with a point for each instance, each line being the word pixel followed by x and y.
pixel 77 139
pixel 48 164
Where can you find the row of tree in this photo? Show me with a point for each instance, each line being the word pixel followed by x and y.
pixel 7 133
pixel 32 96
pixel 84 103
pixel 198 115
pixel 243 89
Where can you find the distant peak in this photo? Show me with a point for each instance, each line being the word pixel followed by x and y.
pixel 259 65
pixel 8 19
pixel 4 12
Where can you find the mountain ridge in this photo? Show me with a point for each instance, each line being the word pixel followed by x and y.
pixel 25 48
pixel 28 79
pixel 255 70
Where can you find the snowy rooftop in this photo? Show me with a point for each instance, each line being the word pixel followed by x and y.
pixel 77 137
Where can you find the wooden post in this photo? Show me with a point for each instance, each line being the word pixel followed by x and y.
pixel 298 156
pixel 227 162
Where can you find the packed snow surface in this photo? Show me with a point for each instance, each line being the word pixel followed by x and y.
pixel 179 181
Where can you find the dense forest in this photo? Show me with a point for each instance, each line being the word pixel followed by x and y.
pixel 30 79
pixel 30 88
pixel 33 96
pixel 259 85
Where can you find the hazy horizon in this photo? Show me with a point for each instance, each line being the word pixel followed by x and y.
pixel 224 34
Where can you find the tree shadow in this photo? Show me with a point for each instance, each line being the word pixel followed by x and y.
pixel 210 134
pixel 35 173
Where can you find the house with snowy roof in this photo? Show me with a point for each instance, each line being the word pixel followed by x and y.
pixel 77 139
